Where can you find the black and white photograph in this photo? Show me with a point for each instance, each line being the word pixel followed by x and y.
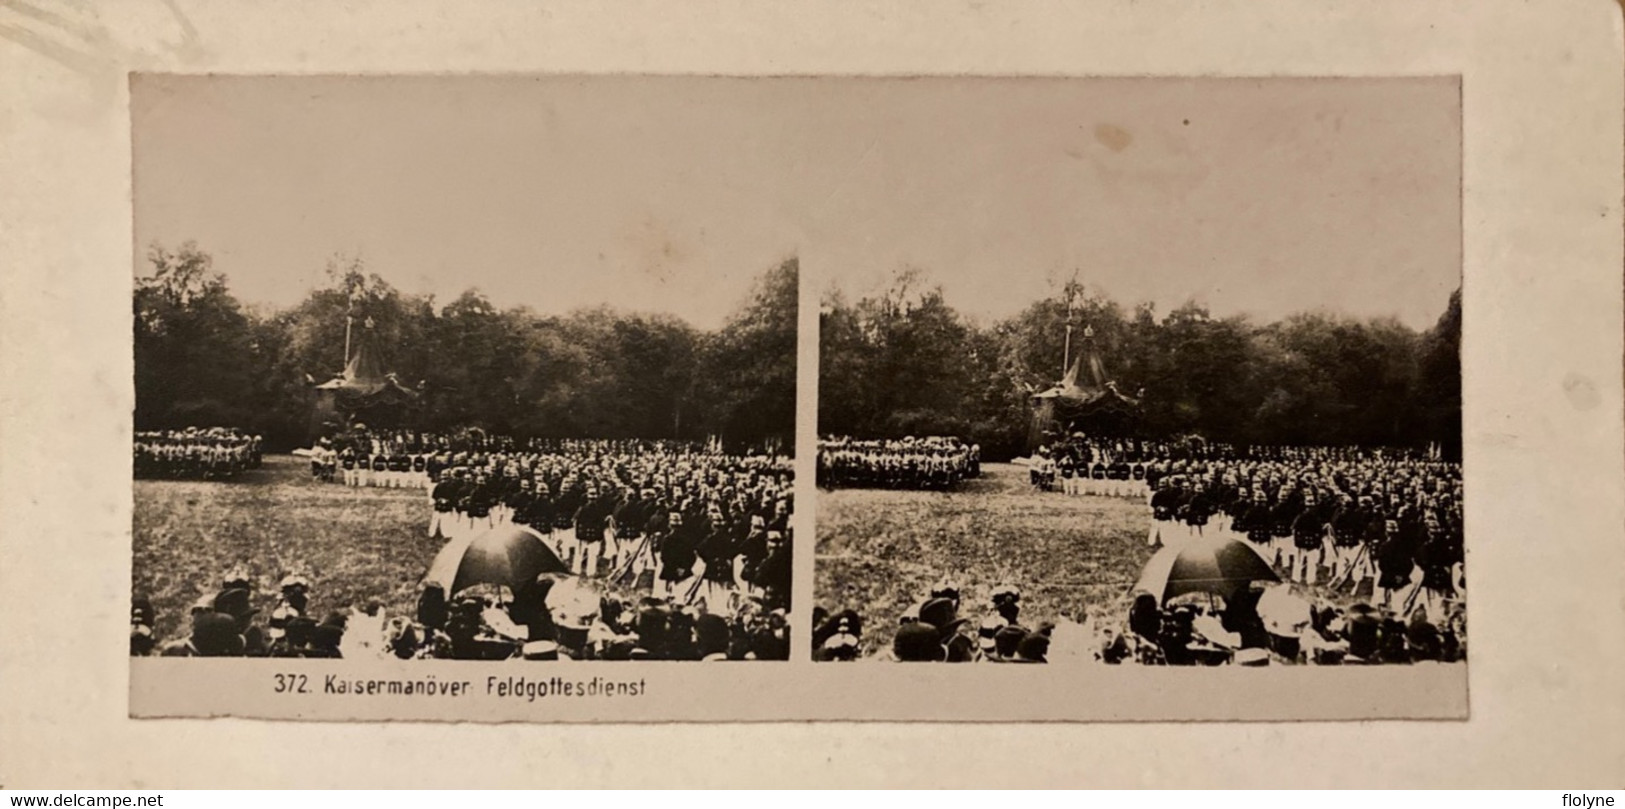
pixel 471 368
pixel 1146 372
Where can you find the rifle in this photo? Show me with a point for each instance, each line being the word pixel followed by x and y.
pixel 693 589
pixel 631 559
pixel 1359 558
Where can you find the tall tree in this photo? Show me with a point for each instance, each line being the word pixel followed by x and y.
pixel 1439 380
pixel 747 371
pixel 195 348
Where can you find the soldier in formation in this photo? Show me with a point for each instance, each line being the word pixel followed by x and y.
pixel 932 463
pixel 1103 467
pixel 195 454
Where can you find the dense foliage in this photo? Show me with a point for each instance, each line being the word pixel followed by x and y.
pixel 203 358
pixel 903 362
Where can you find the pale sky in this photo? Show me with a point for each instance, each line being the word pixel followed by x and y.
pixel 669 194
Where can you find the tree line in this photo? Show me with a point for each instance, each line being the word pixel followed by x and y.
pixel 204 358
pixel 904 362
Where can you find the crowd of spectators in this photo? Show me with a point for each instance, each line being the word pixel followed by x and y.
pixel 556 617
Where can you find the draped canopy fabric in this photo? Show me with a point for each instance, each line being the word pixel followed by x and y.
pixel 364 375
pixel 1086 399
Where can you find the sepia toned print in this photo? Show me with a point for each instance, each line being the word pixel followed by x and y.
pixel 415 385
pixel 1540 251
pixel 1169 376
pixel 439 378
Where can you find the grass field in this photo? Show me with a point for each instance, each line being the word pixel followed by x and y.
pixel 354 544
pixel 879 552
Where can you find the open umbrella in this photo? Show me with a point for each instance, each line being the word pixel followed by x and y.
pixel 1221 567
pixel 510 556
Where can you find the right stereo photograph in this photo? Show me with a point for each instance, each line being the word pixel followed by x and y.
pixel 1144 372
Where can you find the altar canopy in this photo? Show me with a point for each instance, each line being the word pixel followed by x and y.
pixel 1086 400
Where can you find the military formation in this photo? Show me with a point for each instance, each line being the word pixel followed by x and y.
pixel 1369 543
pixel 390 459
pixel 676 551
pixel 1333 517
pixel 933 463
pixel 216 453
pixel 678 519
pixel 1099 467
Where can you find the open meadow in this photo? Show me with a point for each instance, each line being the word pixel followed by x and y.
pixel 355 544
pixel 880 551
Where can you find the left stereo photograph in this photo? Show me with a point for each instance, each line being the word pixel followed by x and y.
pixel 458 368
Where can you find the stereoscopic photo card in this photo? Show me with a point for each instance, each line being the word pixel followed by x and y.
pixel 1015 366
pixel 437 378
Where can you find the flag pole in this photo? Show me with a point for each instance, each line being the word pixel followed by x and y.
pixel 1066 356
pixel 348 320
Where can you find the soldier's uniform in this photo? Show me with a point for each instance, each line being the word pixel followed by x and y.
pixel 420 472
pixel 1438 554
pixel 565 504
pixel 540 515
pixel 677 553
pixel 1066 465
pixel 1348 529
pixel 1257 522
pixel 717 550
pixel 399 466
pixel 477 503
pixel 347 465
pixel 1237 502
pixel 378 470
pixel 591 521
pixel 1282 518
pixel 444 499
pixel 629 516
pixel 1164 503
pixel 1308 538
